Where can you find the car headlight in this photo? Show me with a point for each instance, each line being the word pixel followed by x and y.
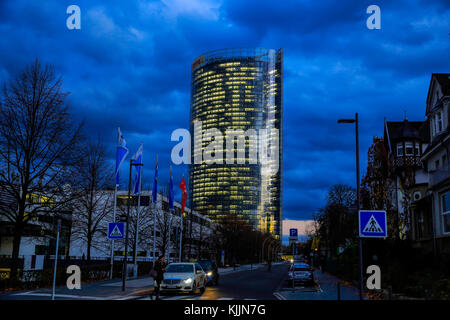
pixel 209 274
pixel 188 280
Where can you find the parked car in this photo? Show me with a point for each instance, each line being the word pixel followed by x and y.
pixel 212 272
pixel 186 276
pixel 301 273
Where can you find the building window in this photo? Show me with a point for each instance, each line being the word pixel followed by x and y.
pixel 399 149
pixel 409 149
pixel 446 212
pixel 417 147
pixel 439 124
pixel 444 160
pixel 436 164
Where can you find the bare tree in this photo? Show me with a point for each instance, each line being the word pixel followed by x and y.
pixel 38 145
pixel 341 194
pixel 93 201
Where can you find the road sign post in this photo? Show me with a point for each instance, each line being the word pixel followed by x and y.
pixel 372 224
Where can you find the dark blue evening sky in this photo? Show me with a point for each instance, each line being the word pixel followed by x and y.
pixel 129 66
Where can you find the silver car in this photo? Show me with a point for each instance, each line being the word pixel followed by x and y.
pixel 185 276
pixel 301 273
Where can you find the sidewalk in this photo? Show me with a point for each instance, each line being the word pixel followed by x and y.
pixel 101 290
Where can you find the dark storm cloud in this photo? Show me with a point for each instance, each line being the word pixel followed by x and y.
pixel 129 66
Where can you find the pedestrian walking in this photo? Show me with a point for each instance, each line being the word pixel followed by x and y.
pixel 158 274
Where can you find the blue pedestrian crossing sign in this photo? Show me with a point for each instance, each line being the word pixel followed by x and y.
pixel 115 230
pixel 372 224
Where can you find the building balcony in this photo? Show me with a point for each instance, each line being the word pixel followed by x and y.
pixel 438 176
pixel 407 161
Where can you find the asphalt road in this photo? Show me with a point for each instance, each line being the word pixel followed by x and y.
pixel 258 284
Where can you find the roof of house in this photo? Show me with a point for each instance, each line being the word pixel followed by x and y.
pixel 444 81
pixel 405 129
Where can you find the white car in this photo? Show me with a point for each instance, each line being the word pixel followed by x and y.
pixel 301 272
pixel 184 276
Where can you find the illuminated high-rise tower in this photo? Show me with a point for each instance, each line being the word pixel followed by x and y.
pixel 238 89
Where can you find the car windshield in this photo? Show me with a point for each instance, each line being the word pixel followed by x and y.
pixel 206 265
pixel 180 268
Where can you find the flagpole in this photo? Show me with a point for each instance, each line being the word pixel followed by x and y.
pixel 181 233
pixel 170 217
pixel 112 241
pixel 154 211
pixel 137 218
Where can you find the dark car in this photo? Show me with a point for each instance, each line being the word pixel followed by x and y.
pixel 211 270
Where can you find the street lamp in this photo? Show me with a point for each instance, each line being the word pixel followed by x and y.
pixel 124 270
pixel 355 121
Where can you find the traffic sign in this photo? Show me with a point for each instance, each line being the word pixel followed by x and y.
pixel 372 224
pixel 293 233
pixel 116 230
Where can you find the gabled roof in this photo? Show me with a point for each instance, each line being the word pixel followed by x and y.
pixel 398 130
pixel 443 79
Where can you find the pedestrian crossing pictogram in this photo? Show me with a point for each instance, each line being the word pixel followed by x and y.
pixel 372 226
pixel 116 232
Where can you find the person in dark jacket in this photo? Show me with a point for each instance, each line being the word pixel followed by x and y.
pixel 160 268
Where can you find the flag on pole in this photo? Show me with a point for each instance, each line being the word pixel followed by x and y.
pixel 155 184
pixel 137 159
pixel 171 190
pixel 121 153
pixel 184 194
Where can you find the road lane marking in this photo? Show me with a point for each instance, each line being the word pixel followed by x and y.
pixel 127 298
pixel 279 296
pixel 38 294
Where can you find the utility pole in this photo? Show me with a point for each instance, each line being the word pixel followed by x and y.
pixel 56 257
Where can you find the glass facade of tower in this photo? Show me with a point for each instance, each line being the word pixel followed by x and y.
pixel 237 89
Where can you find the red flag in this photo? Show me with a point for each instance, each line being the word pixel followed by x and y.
pixel 184 196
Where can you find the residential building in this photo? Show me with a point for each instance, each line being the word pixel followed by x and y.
pixel 435 158
pixel 405 142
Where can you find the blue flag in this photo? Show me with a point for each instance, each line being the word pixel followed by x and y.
pixel 171 190
pixel 121 153
pixel 155 184
pixel 137 159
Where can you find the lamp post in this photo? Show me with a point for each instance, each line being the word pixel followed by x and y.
pixel 361 277
pixel 124 270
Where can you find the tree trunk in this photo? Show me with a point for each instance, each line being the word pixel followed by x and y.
pixel 89 244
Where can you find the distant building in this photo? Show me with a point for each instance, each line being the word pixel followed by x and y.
pixel 237 89
pixel 197 238
pixel 39 233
